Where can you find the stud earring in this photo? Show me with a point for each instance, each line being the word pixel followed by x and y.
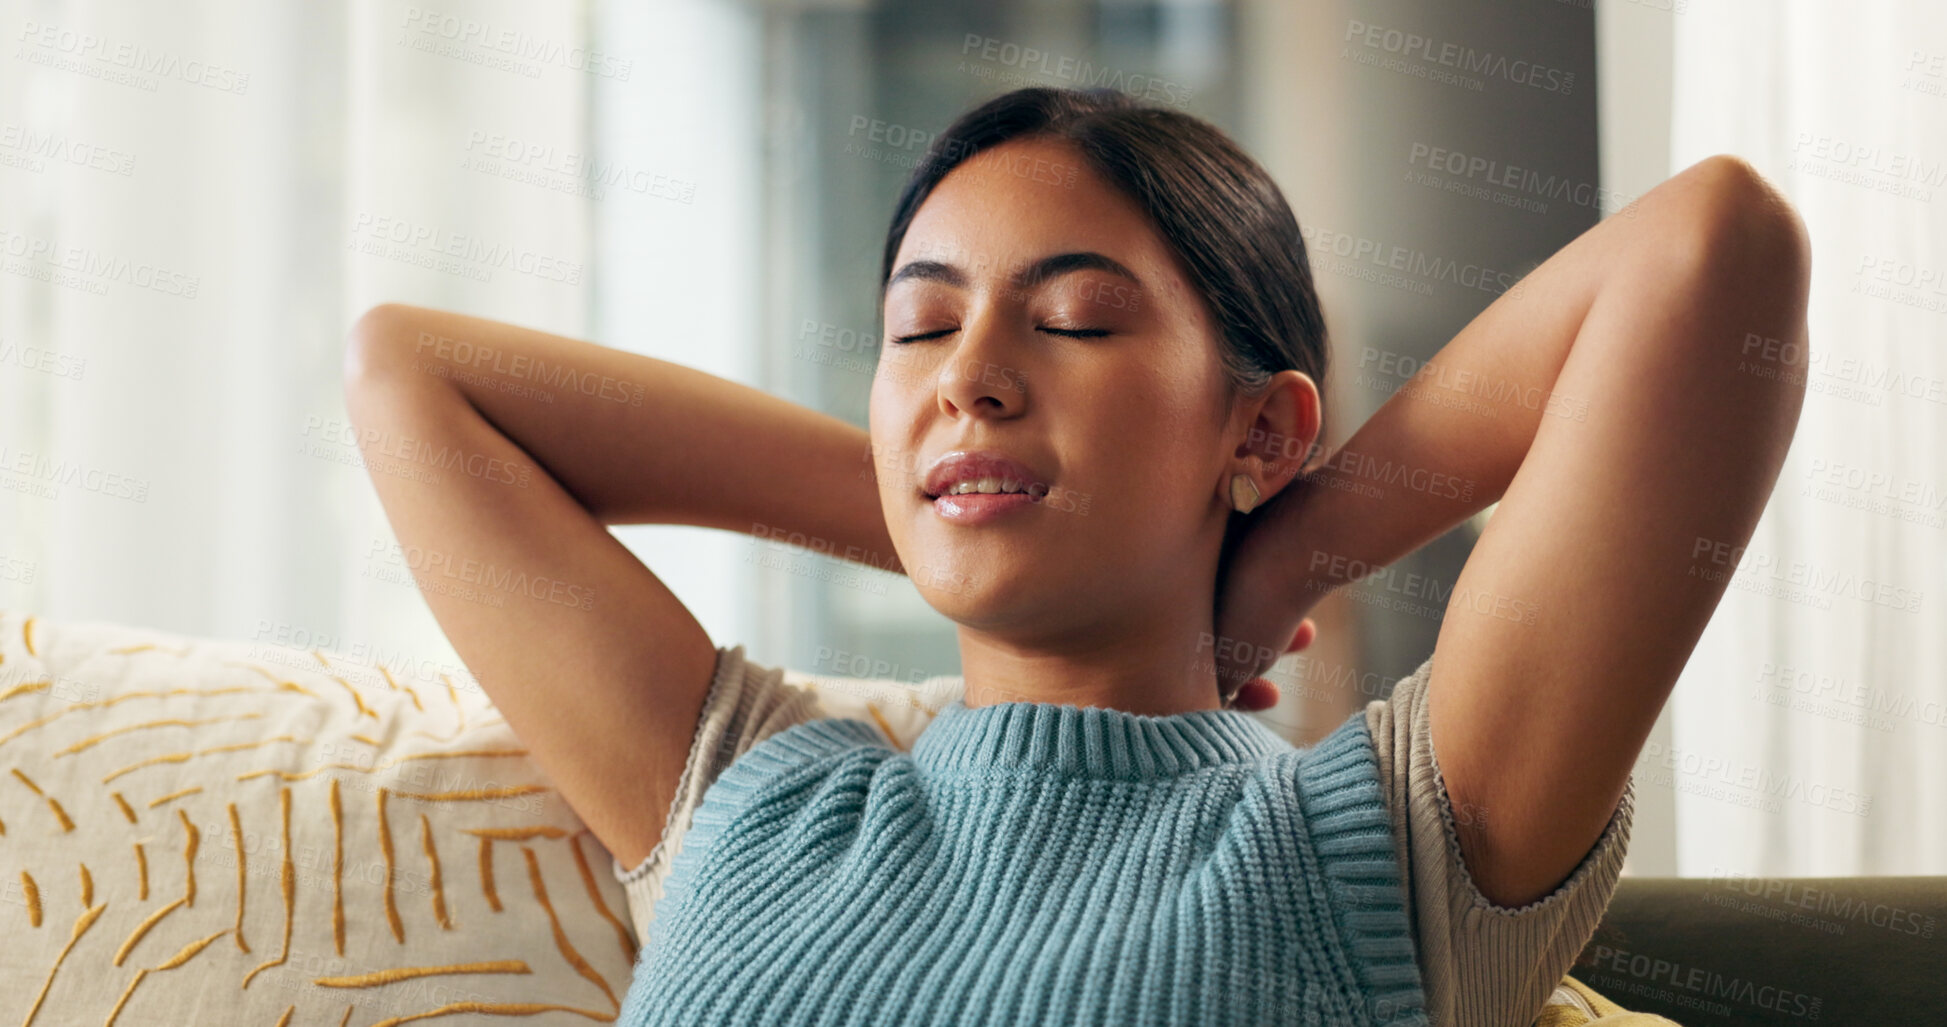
pixel 1243 493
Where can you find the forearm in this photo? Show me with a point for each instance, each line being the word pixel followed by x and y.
pixel 639 440
pixel 1442 448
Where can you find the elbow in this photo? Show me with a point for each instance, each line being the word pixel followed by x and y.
pixel 1746 231
pixel 375 342
pixel 1749 258
pixel 1745 251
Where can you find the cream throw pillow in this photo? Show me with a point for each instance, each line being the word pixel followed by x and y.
pixel 196 831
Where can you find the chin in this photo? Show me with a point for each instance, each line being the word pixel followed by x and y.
pixel 970 593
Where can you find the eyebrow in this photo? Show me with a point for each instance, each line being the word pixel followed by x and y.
pixel 1028 277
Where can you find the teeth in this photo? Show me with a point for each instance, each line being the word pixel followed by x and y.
pixel 990 485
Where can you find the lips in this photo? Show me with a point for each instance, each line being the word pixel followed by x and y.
pixel 957 466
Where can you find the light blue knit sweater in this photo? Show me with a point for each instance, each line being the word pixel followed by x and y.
pixel 1032 863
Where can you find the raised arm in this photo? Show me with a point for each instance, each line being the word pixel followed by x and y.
pixel 1629 405
pixel 500 454
pixel 639 440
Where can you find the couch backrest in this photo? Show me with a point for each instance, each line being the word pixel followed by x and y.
pixel 1739 950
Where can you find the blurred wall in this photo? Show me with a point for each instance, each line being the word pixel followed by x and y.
pixel 1396 129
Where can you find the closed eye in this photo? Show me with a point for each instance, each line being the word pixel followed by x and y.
pixel 1072 333
pixel 923 335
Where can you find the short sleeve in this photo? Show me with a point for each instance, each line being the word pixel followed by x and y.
pixel 1481 965
pixel 749 702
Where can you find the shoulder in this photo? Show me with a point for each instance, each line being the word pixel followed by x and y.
pixel 751 702
pixel 794 724
pixel 808 745
pixel 1347 760
pixel 764 721
pixel 838 729
pixel 1390 721
pixel 899 710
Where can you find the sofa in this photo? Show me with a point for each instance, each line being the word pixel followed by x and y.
pixel 1748 951
pixel 277 831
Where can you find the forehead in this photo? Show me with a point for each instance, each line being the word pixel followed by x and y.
pixel 1003 208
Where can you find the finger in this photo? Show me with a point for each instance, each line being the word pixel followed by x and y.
pixel 1256 696
pixel 1307 630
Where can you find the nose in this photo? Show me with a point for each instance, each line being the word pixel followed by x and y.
pixel 982 374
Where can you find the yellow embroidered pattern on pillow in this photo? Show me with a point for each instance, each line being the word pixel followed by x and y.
pixel 206 831
pixel 1575 1004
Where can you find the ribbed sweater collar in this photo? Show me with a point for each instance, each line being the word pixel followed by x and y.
pixel 1090 741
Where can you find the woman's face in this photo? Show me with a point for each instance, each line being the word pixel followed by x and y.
pixel 1012 251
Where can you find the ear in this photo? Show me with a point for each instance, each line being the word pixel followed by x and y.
pixel 1277 434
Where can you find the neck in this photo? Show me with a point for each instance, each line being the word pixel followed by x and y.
pixel 1151 669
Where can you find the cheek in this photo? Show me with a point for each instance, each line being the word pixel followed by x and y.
pixel 893 414
pixel 1174 403
pixel 1152 448
pixel 888 409
pixel 900 384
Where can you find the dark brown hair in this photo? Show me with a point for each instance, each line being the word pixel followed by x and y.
pixel 1221 214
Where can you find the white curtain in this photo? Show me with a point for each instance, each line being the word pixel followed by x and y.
pixel 1810 728
pixel 197 198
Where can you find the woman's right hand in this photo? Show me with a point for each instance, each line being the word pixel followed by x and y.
pixel 1259 694
pixel 1263 595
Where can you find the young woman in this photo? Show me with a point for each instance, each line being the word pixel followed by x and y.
pixel 1108 308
